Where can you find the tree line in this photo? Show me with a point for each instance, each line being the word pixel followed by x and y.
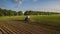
pixel 39 13
pixel 4 12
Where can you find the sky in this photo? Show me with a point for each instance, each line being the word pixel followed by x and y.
pixel 35 5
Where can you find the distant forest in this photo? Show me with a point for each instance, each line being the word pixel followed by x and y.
pixel 4 12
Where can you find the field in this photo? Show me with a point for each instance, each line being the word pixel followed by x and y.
pixel 39 24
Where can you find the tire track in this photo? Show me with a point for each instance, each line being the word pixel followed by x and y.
pixel 13 28
pixel 16 28
pixel 7 30
pixel 2 31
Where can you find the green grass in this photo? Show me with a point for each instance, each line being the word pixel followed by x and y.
pixel 12 17
pixel 46 21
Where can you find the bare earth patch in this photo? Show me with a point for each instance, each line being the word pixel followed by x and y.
pixel 17 27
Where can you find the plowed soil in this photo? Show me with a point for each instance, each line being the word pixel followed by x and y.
pixel 17 27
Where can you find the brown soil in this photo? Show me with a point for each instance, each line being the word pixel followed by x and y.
pixel 17 27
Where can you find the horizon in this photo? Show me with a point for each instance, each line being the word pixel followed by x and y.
pixel 34 5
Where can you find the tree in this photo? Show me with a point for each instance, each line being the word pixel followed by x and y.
pixel 20 13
